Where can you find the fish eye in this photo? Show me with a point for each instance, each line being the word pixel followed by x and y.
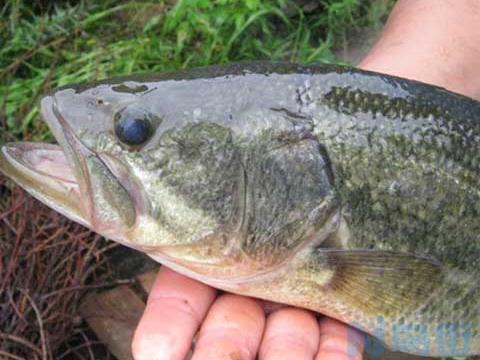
pixel 132 128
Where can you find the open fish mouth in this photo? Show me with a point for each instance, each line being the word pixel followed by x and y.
pixel 43 170
pixel 54 174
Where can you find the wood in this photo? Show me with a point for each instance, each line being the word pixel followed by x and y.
pixel 113 315
pixel 147 279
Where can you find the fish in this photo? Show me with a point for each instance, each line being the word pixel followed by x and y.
pixel 348 192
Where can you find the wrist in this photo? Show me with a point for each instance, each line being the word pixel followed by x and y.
pixel 431 41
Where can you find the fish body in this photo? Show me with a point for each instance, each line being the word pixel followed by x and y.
pixel 347 192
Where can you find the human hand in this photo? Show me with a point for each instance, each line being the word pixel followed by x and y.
pixel 233 327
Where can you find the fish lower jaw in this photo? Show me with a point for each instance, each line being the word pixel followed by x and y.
pixel 42 170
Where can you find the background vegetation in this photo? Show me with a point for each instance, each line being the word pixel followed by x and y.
pixel 47 43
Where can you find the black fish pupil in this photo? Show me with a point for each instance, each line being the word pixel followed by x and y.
pixel 132 131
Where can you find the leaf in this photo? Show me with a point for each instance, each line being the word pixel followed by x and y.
pixel 151 23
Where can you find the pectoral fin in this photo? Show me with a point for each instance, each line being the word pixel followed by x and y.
pixel 380 283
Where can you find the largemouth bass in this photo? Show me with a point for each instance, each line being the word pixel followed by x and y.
pixel 351 193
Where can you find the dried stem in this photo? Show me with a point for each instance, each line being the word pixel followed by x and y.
pixel 48 263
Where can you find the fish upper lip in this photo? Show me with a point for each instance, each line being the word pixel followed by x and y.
pixel 74 150
pixel 55 174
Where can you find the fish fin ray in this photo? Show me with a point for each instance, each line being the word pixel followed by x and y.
pixel 382 283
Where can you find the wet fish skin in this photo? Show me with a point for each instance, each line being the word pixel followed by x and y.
pixel 347 192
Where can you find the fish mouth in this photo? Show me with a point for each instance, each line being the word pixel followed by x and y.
pixel 43 171
pixel 54 174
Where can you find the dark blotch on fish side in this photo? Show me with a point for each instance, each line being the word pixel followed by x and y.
pixel 123 88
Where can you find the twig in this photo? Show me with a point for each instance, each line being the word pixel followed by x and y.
pixel 85 287
pixel 47 264
pixel 29 53
pixel 21 341
pixel 78 347
pixel 11 356
pixel 40 323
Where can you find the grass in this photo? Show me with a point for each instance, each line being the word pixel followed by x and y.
pixel 43 46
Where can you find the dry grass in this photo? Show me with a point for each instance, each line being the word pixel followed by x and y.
pixel 46 262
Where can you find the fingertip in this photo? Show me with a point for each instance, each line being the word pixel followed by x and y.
pixel 233 328
pixel 172 284
pixel 290 333
pixel 153 346
pixel 174 311
pixel 339 341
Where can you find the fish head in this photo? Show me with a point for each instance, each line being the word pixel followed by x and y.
pixel 76 177
pixel 107 170
pixel 139 171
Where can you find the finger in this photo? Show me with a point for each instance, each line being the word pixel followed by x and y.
pixel 232 329
pixel 290 333
pixel 338 341
pixel 270 307
pixel 174 311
